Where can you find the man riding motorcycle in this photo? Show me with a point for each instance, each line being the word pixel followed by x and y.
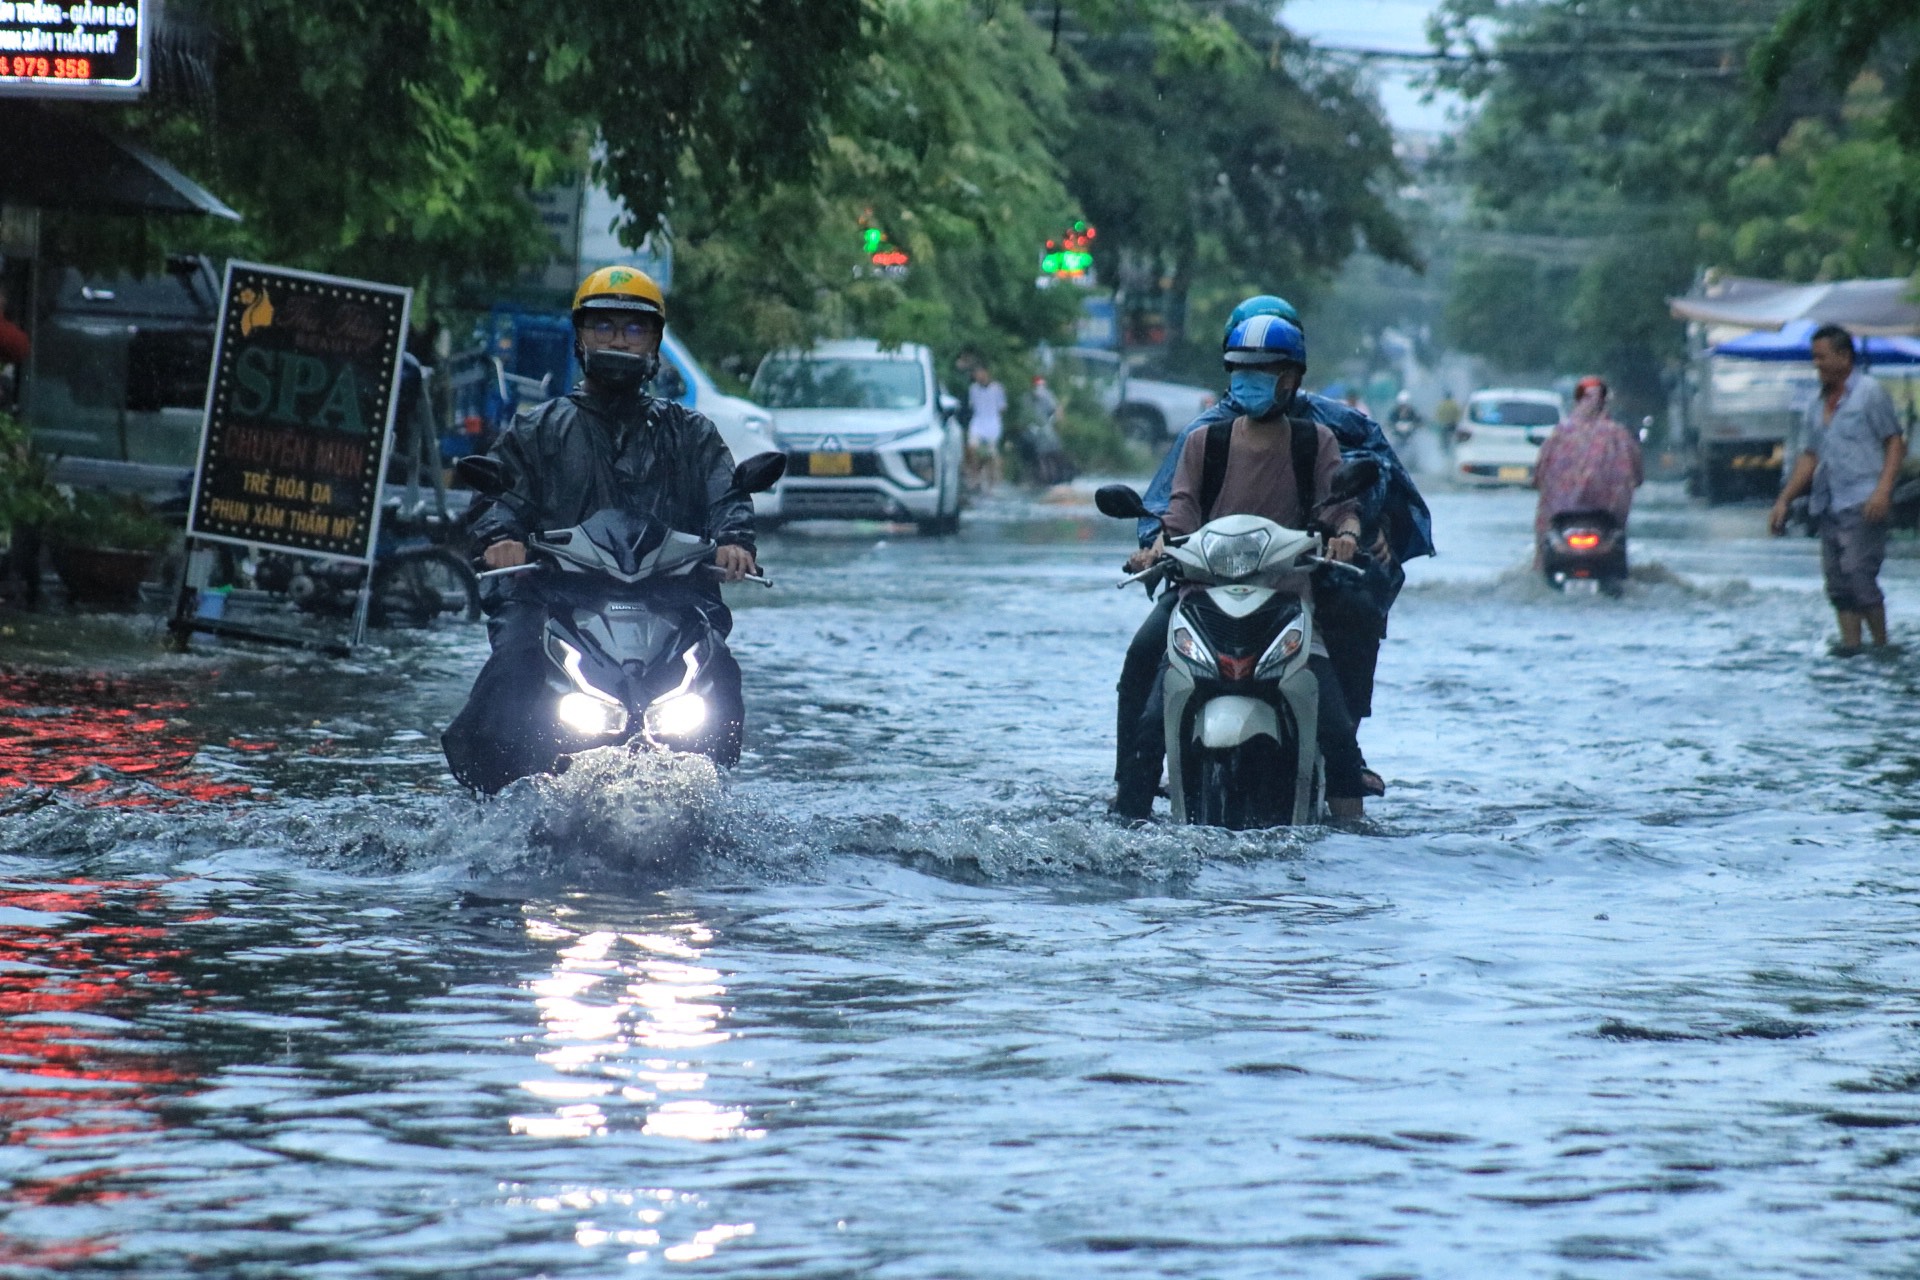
pixel 1272 465
pixel 1395 512
pixel 607 444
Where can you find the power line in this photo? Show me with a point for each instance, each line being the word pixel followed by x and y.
pixel 1515 51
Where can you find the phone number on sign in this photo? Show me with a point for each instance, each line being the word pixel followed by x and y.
pixel 47 68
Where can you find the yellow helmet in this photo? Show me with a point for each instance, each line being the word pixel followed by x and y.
pixel 622 288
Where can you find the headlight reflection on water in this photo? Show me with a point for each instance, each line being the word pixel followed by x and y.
pixel 615 1011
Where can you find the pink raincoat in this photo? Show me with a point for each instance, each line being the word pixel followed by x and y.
pixel 1589 463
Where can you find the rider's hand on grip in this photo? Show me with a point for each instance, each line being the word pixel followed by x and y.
pixel 505 555
pixel 734 562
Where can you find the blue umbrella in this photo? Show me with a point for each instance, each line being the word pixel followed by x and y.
pixel 1793 341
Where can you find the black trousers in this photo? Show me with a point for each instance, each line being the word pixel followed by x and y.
pixel 507 730
pixel 1346 683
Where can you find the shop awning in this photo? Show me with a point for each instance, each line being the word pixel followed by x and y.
pixel 1865 307
pixel 56 160
pixel 1793 343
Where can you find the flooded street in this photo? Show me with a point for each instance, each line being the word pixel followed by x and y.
pixel 1620 980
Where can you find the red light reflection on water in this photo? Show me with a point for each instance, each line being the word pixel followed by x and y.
pixel 80 1089
pixel 85 734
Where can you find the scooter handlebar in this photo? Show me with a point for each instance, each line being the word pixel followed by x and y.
pixel 758 575
pixel 1342 565
pixel 1148 576
pixel 510 571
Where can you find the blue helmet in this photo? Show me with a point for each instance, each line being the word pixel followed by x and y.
pixel 1265 340
pixel 1260 304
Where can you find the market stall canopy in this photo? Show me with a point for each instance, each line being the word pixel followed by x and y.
pixel 1792 343
pixel 54 160
pixel 1865 307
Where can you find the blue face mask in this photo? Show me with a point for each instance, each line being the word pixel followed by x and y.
pixel 1257 393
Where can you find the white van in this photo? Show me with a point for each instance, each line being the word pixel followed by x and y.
pixel 1500 434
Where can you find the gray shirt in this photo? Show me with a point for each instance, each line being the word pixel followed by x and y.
pixel 1851 446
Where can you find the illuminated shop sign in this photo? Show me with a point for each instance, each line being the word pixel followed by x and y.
pixel 84 50
pixel 305 378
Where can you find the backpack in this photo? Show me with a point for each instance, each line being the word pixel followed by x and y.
pixel 1345 604
pixel 1213 463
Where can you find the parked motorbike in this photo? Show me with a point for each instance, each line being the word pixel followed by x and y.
pixel 1241 707
pixel 1585 550
pixel 630 648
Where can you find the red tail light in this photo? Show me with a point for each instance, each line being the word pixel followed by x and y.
pixel 1236 668
pixel 1583 541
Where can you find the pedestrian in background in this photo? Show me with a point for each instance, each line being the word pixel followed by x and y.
pixel 1850 456
pixel 988 400
pixel 1446 416
pixel 1051 465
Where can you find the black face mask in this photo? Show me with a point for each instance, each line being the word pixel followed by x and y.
pixel 621 371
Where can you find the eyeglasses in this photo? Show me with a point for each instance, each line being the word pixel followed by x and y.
pixel 605 327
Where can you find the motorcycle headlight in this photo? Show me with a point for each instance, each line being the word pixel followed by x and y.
pixel 921 462
pixel 1284 647
pixel 1234 555
pixel 1188 646
pixel 590 711
pixel 590 716
pixel 679 712
pixel 676 716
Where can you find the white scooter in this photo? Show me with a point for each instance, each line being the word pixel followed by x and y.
pixel 1240 704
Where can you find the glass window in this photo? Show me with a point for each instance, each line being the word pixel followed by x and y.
pixel 845 383
pixel 1514 413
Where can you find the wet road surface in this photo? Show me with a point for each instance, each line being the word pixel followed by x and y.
pixel 1619 981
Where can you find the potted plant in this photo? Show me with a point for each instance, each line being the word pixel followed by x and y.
pixel 104 545
pixel 27 498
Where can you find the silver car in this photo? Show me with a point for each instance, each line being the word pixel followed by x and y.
pixel 867 432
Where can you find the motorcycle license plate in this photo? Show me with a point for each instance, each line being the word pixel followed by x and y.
pixel 829 464
pixel 1512 473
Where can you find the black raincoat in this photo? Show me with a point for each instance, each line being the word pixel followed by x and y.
pixel 582 453
pixel 565 460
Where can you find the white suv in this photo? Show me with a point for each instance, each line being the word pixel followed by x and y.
pixel 1501 433
pixel 868 434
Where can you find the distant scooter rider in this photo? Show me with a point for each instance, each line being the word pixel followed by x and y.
pixel 607 444
pixel 1275 466
pixel 1405 419
pixel 1589 463
pixel 1397 509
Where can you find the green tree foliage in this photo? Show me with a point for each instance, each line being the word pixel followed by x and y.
pixel 399 139
pixel 1502 308
pixel 1608 138
pixel 1833 42
pixel 944 140
pixel 1817 207
pixel 1220 155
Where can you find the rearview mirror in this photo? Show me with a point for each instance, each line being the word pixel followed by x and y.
pixel 1120 502
pixel 1353 479
pixel 760 472
pixel 481 474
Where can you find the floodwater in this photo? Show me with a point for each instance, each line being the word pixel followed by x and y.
pixel 1619 981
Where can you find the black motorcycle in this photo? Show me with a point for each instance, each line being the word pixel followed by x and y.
pixel 633 645
pixel 1585 549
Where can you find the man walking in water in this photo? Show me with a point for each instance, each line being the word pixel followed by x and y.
pixel 1851 451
